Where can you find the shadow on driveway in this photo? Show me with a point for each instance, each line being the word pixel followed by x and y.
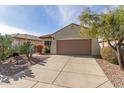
pixel 18 68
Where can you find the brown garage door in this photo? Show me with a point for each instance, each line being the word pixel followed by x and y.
pixel 69 47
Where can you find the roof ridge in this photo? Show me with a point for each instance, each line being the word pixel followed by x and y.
pixel 65 27
pixel 26 36
pixel 60 29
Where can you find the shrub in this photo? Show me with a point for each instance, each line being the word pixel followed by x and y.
pixel 39 49
pixel 26 49
pixel 5 47
pixel 108 54
pixel 47 49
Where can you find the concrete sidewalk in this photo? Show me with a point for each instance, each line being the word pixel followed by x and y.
pixel 65 71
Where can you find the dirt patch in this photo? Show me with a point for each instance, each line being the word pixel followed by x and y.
pixel 113 72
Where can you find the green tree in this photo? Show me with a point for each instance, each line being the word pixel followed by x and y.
pixel 108 26
pixel 5 46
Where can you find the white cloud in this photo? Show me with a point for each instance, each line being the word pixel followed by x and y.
pixel 69 14
pixel 5 29
pixel 64 14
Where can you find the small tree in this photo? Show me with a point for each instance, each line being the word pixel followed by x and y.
pixel 5 46
pixel 108 26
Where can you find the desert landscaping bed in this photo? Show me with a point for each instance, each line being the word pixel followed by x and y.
pixel 113 72
pixel 19 67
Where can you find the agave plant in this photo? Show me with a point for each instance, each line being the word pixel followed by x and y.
pixel 26 49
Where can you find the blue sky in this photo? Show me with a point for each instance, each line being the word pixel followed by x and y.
pixel 39 20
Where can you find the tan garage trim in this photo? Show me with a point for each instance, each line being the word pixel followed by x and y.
pixel 74 47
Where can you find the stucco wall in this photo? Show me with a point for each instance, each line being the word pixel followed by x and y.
pixel 53 47
pixel 95 47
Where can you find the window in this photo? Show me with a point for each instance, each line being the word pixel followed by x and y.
pixel 47 43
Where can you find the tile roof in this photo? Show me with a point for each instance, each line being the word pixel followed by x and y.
pixel 25 36
pixel 46 36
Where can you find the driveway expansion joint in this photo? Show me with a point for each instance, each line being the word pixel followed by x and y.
pixel 35 84
pixel 102 84
pixel 62 86
pixel 84 73
pixel 47 69
pixel 61 70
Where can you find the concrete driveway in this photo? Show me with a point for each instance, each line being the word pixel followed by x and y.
pixel 65 72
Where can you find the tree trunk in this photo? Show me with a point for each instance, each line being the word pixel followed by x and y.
pixel 27 55
pixel 3 53
pixel 0 61
pixel 120 57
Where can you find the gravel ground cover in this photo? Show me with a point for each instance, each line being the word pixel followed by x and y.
pixel 113 72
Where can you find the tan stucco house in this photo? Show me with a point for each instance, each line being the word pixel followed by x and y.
pixel 69 41
pixel 19 39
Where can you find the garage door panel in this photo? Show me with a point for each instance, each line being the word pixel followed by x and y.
pixel 74 47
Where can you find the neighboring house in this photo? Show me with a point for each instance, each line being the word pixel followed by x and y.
pixel 19 39
pixel 68 40
pixel 103 43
